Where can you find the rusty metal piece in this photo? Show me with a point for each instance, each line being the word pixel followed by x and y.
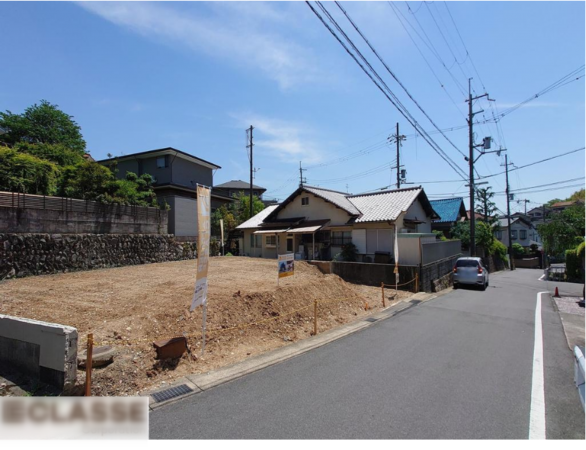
pixel 171 348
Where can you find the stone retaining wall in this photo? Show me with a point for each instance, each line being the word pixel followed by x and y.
pixel 35 254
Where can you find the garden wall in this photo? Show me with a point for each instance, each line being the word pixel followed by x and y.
pixel 35 254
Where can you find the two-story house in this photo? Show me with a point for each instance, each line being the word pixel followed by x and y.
pixel 523 232
pixel 234 187
pixel 177 175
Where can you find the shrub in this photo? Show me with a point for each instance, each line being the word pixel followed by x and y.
pixel 20 172
pixel 573 265
pixel 580 250
pixel 228 254
pixel 518 250
pixel 349 252
pixel 499 249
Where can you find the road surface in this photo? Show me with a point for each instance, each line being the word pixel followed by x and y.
pixel 462 366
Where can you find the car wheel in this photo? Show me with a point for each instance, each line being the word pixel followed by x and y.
pixel 484 286
pixel 455 285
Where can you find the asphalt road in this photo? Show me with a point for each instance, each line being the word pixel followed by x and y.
pixel 458 366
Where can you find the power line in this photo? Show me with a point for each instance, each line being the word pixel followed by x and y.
pixel 387 92
pixel 559 83
pixel 395 77
pixel 534 163
pixel 555 183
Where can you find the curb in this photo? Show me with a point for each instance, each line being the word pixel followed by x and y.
pixel 202 382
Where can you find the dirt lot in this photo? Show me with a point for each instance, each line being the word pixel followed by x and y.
pixel 130 307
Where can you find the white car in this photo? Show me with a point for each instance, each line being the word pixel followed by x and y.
pixel 470 270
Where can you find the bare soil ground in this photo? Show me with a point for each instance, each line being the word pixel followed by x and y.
pixel 130 307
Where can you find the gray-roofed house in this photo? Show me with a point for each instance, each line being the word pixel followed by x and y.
pixel 314 223
pixel 232 188
pixel 177 175
pixel 523 232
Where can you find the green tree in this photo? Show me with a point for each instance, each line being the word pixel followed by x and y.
pixel 578 195
pixel 241 207
pixel 518 249
pixel 56 153
pixel 225 214
pixel 28 174
pixel 485 206
pixel 563 230
pixel 42 124
pixel 484 234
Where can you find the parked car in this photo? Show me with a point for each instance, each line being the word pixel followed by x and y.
pixel 470 270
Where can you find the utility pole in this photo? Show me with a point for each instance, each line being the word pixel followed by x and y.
pixel 301 179
pixel 471 161
pixel 398 138
pixel 509 213
pixel 250 145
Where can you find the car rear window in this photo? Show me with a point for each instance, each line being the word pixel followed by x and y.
pixel 467 263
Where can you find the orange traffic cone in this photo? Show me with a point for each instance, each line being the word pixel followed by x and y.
pixel 557 294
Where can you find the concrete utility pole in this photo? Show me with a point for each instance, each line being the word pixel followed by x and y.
pixel 471 161
pixel 398 138
pixel 250 145
pixel 509 213
pixel 301 179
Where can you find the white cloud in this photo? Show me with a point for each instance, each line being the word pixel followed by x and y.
pixel 289 142
pixel 237 33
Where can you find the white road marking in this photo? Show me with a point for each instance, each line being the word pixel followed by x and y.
pixel 537 413
pixel 541 277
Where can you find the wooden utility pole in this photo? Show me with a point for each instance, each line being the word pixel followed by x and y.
pixel 250 144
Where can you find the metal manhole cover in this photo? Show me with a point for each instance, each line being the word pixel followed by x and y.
pixel 172 392
pixel 370 319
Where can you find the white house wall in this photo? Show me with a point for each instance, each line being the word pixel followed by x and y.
pixel 316 210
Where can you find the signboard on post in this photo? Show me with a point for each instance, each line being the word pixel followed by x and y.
pixel 286 265
pixel 203 247
pixel 222 234
pixel 396 258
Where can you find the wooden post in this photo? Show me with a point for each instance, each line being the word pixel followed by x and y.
pixel 88 365
pixel 315 317
pixel 416 282
pixel 382 286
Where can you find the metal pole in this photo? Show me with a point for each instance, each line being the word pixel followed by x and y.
pixel 471 164
pixel 251 171
pixel 398 160
pixel 509 213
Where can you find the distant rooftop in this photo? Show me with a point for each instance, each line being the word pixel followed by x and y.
pixel 161 152
pixel 238 184
pixel 448 209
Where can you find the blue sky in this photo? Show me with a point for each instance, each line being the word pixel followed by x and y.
pixel 140 76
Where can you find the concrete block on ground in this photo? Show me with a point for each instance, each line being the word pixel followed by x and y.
pixel 44 351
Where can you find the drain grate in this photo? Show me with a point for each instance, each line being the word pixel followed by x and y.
pixel 172 392
pixel 370 319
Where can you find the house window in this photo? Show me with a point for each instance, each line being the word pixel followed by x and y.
pixel 341 237
pixel 523 234
pixel 304 201
pixel 271 241
pixel 162 162
pixel 513 234
pixel 290 244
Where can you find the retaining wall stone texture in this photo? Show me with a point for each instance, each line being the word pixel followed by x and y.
pixel 36 254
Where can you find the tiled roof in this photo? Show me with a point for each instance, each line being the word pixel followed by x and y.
pixel 384 206
pixel 255 221
pixel 447 208
pixel 237 184
pixel 339 199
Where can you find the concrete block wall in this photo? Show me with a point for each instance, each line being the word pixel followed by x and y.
pixel 36 254
pixel 103 221
pixel 44 351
